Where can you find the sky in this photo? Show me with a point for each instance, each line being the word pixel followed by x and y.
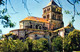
pixel 36 9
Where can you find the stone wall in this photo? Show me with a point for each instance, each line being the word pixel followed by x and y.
pixel 33 34
pixel 34 25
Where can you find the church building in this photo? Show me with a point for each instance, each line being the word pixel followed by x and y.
pixel 52 19
pixel 51 24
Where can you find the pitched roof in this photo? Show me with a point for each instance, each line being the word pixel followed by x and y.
pixel 52 3
pixel 31 18
pixel 69 26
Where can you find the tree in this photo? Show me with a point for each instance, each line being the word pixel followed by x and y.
pixel 67 44
pixel 71 42
pixel 40 45
pixel 74 41
pixel 4 17
pixel 28 45
pixel 11 45
pixel 57 43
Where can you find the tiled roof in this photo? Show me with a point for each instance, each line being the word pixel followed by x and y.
pixel 35 19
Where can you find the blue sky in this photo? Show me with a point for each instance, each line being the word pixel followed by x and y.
pixel 36 10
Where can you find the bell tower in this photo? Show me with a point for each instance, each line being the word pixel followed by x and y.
pixel 53 13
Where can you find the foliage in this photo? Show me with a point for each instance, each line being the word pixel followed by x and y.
pixel 10 34
pixel 4 17
pixel 58 43
pixel 67 12
pixel 1 2
pixel 40 45
pixel 0 37
pixel 67 44
pixel 71 42
pixel 0 45
pixel 10 45
pixel 0 31
pixel 74 40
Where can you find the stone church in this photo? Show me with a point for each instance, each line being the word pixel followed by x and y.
pixel 51 19
pixel 50 25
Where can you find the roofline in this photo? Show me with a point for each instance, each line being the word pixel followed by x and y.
pixel 50 5
pixel 34 21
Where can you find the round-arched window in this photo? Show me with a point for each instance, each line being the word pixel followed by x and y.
pixel 39 27
pixel 44 11
pixel 48 16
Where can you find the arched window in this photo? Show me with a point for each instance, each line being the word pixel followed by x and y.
pixel 30 26
pixel 44 17
pixel 48 16
pixel 36 26
pixel 39 27
pixel 44 11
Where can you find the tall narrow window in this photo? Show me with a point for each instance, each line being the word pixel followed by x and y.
pixel 48 16
pixel 39 27
pixel 30 26
pixel 36 26
pixel 59 17
pixel 53 16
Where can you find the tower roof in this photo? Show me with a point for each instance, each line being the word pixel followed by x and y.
pixel 52 3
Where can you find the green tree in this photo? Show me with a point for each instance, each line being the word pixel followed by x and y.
pixel 11 45
pixel 29 42
pixel 72 41
pixel 40 45
pixel 57 43
pixel 67 43
pixel 28 45
pixel 74 37
pixel 4 17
